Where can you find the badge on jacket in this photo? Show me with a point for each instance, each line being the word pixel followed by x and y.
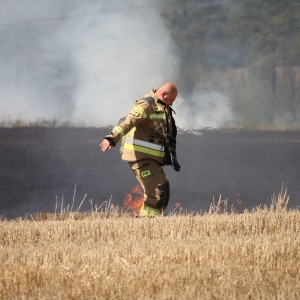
pixel 156 108
pixel 135 112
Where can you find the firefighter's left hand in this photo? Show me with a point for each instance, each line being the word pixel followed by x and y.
pixel 105 145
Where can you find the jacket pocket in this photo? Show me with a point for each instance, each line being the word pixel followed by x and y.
pixel 140 164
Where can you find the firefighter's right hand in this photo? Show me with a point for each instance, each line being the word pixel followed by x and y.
pixel 105 145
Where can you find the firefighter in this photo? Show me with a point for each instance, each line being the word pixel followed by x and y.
pixel 148 135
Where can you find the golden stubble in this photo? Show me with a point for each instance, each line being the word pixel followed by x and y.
pixel 254 255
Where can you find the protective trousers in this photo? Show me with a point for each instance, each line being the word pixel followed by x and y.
pixel 152 178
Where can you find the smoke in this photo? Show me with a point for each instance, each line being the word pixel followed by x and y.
pixel 205 109
pixel 88 61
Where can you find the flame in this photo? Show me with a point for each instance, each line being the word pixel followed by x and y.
pixel 177 204
pixel 238 199
pixel 127 200
pixel 137 190
pixel 136 203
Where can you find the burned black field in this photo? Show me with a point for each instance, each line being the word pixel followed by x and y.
pixel 40 166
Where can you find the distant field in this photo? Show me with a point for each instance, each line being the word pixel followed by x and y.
pixel 110 255
pixel 40 165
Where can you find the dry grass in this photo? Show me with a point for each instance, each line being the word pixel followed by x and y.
pixel 109 255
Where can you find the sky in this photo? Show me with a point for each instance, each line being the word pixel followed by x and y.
pixel 86 62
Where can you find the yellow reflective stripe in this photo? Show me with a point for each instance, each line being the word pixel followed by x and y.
pixel 144 144
pixel 131 132
pixel 160 116
pixel 119 130
pixel 141 111
pixel 149 211
pixel 143 150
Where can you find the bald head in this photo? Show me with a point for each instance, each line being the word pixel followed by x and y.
pixel 167 92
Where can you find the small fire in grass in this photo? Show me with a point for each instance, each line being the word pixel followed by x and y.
pixel 239 201
pixel 177 204
pixel 237 198
pixel 135 202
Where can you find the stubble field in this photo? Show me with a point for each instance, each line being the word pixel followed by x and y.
pixel 110 255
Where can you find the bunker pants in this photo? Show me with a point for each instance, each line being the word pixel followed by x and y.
pixel 152 178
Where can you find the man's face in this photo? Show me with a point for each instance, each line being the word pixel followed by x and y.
pixel 169 98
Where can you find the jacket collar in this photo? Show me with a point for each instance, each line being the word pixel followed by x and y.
pixel 159 101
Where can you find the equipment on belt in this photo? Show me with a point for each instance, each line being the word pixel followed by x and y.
pixel 170 152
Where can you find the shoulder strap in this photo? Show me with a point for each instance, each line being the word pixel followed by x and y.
pixel 164 104
pixel 149 99
pixel 170 122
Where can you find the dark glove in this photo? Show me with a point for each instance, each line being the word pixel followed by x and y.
pixel 175 163
pixel 111 141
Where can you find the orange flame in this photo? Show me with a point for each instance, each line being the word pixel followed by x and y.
pixel 238 199
pixel 177 204
pixel 136 203
pixel 137 190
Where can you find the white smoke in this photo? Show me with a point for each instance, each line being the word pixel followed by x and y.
pixel 88 61
pixel 204 109
pixel 80 61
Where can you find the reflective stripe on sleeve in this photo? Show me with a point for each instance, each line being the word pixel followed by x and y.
pixel 149 211
pixel 144 147
pixel 119 130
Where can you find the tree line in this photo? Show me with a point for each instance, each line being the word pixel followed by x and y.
pixel 260 36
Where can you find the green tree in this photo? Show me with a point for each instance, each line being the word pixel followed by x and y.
pixel 195 27
pixel 268 34
pixel 270 30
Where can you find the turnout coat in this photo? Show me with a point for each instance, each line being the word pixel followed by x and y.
pixel 142 130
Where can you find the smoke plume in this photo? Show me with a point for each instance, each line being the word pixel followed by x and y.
pixel 87 61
